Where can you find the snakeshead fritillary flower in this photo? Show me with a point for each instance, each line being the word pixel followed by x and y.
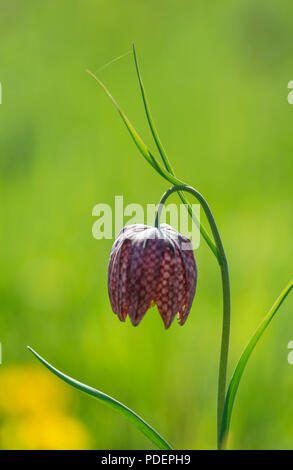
pixel 148 266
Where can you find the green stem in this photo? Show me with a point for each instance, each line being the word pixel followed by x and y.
pixel 224 346
pixel 223 264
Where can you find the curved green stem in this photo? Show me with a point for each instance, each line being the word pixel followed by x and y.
pixel 222 260
pixel 224 346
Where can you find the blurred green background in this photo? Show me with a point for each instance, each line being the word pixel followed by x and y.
pixel 216 75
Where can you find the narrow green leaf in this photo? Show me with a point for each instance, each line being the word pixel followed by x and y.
pixel 166 160
pixel 144 427
pixel 153 162
pixel 150 119
pixel 234 383
pixel 137 139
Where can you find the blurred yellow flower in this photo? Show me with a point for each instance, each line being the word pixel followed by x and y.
pixel 30 389
pixel 33 411
pixel 51 431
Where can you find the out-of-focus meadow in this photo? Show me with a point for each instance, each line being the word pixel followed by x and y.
pixel 216 75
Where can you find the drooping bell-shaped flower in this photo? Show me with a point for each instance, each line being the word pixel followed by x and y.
pixel 150 265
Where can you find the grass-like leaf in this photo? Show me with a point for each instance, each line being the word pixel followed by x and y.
pixel 234 383
pixel 144 427
pixel 165 159
pixel 166 172
pixel 150 119
pixel 137 139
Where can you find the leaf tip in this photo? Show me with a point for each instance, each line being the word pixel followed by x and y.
pixel 32 350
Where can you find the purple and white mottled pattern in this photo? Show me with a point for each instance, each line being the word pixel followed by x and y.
pixel 150 265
